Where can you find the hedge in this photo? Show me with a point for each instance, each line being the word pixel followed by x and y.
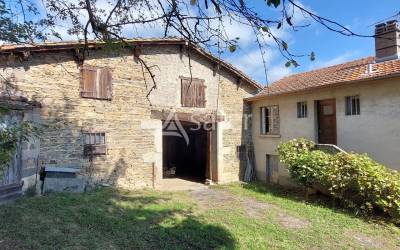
pixel 355 179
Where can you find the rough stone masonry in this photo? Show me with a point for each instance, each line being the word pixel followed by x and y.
pixel 133 137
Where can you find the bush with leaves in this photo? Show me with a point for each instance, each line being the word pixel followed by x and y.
pixel 303 163
pixel 359 182
pixel 365 185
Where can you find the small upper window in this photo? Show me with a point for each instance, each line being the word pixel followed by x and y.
pixel 96 82
pixel 95 143
pixel 353 105
pixel 301 109
pixel 241 152
pixel 270 124
pixel 193 92
pixel 95 138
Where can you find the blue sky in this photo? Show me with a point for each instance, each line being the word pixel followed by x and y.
pixel 330 48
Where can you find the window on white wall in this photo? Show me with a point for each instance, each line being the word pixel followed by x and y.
pixel 301 109
pixel 353 105
pixel 269 123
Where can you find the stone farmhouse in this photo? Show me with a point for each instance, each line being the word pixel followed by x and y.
pixel 354 105
pixel 133 114
pixel 102 118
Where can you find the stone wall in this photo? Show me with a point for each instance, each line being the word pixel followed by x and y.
pixel 133 137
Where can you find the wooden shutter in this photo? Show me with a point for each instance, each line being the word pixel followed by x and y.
pixel 88 81
pixel 185 95
pixel 193 92
pixel 201 94
pixel 96 82
pixel 193 95
pixel 105 83
pixel 275 123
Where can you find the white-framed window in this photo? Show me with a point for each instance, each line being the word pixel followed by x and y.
pixel 269 122
pixel 302 110
pixel 353 105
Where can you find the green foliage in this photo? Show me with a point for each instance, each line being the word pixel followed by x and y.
pixel 358 181
pixel 15 27
pixel 297 154
pixel 312 56
pixel 364 184
pixel 10 135
pixel 232 48
pixel 276 3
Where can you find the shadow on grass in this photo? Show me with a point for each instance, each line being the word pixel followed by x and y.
pixel 107 219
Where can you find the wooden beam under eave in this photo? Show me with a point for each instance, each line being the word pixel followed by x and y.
pixel 186 117
pixel 17 105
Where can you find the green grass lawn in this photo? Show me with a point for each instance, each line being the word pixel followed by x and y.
pixel 225 217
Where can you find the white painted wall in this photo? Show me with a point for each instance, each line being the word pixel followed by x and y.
pixel 376 131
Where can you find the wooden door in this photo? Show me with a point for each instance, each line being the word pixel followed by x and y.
pixel 327 121
pixel 12 174
pixel 212 161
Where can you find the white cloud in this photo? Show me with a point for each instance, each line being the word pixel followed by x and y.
pixel 347 56
pixel 279 71
pixel 235 29
pixel 252 64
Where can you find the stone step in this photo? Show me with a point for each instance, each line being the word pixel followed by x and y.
pixel 10 192
pixel 10 197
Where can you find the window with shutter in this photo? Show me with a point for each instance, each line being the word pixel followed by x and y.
pixel 270 123
pixel 193 92
pixel 96 82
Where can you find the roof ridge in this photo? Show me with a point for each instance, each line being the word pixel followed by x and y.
pixel 324 68
pixel 354 71
pixel 46 46
pixel 81 41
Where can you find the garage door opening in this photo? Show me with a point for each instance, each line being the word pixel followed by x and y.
pixel 185 152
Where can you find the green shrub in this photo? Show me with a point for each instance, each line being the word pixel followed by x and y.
pixel 365 185
pixel 305 165
pixel 358 181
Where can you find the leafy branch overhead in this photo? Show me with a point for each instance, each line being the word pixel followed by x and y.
pixel 201 22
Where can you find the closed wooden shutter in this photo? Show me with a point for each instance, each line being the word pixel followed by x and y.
pixel 193 93
pixel 105 80
pixel 201 94
pixel 88 82
pixel 96 83
pixel 275 122
pixel 185 93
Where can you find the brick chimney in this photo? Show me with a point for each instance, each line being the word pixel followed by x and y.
pixel 387 41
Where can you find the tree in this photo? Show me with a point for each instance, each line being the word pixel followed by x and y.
pixel 201 22
pixel 17 24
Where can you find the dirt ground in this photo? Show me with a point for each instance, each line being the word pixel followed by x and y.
pixel 209 198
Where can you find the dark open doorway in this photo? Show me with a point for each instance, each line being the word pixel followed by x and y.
pixel 185 152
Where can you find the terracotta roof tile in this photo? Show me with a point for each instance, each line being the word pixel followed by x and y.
pixel 357 70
